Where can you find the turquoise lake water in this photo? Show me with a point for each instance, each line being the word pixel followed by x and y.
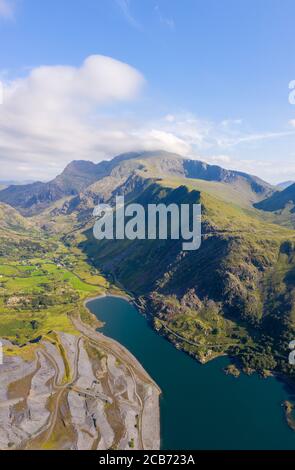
pixel 201 407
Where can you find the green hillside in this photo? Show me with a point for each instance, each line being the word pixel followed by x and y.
pixel 234 295
pixel 42 283
pixel 281 205
pixel 216 299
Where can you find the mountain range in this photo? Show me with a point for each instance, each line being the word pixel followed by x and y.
pixel 279 201
pixel 234 295
pixel 32 198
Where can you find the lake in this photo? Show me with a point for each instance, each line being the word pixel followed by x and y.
pixel 201 407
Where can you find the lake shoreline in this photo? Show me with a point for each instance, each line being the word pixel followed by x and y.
pixel 185 369
pixel 151 422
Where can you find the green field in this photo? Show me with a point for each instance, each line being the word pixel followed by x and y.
pixel 41 286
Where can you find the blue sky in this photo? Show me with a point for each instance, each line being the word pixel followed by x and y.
pixel 206 78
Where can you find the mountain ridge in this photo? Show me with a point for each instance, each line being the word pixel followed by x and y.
pixel 236 292
pixel 279 201
pixel 221 287
pixel 285 184
pixel 79 175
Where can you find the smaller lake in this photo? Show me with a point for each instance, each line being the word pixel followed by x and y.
pixel 201 407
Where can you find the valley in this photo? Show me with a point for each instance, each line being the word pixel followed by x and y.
pixel 233 297
pixel 63 385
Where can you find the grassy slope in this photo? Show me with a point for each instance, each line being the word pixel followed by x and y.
pixel 41 283
pixel 280 206
pixel 12 220
pixel 219 294
pixel 226 192
pixel 279 200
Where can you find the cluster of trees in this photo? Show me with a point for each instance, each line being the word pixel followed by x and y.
pixel 258 360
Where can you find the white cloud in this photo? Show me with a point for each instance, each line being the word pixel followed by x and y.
pixel 52 115
pixel 6 9
pixel 232 141
pixel 125 7
pixel 169 118
pixel 228 123
pixel 161 139
pixel 59 113
pixel 267 169
pixel 165 20
pixel 191 130
pixel 219 159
